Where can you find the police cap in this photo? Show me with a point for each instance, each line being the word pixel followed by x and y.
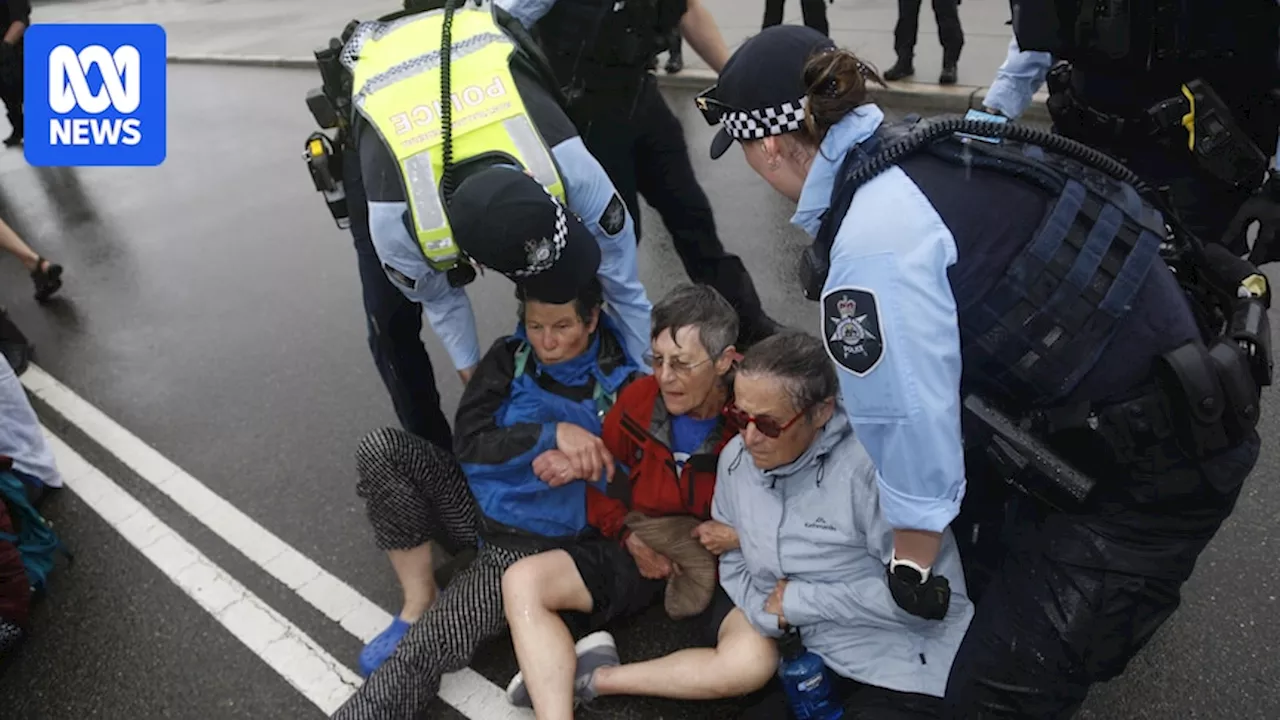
pixel 761 89
pixel 506 221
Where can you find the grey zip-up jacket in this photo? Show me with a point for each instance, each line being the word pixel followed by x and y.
pixel 817 522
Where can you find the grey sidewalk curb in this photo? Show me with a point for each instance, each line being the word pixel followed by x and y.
pixel 921 98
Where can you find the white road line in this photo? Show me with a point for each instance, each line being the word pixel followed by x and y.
pixel 289 651
pixel 467 691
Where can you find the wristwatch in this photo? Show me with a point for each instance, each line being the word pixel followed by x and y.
pixel 909 571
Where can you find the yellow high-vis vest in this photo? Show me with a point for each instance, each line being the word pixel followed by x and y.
pixel 396 87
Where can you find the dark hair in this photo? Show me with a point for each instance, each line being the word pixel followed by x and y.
pixel 703 309
pixel 800 361
pixel 590 297
pixel 835 83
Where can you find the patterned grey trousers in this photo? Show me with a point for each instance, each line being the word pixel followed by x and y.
pixel 415 492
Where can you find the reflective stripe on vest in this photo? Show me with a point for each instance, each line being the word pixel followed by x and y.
pixel 396 87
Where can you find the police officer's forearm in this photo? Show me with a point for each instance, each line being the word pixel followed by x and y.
pixel 465 374
pixel 700 30
pixel 918 546
pixel 14 32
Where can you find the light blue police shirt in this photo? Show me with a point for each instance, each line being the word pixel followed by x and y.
pixel 893 246
pixel 448 309
pixel 1020 77
pixel 528 12
pixel 20 435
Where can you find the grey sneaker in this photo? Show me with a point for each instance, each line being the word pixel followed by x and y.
pixel 594 651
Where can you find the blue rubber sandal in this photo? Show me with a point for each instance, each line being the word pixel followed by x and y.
pixel 381 647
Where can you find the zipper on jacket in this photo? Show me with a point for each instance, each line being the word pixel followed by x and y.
pixel 782 520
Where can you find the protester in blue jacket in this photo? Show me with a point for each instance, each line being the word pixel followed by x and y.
pixel 534 405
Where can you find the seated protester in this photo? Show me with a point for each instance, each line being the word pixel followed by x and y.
pixel 668 428
pixel 801 491
pixel 536 399
pixel 26 464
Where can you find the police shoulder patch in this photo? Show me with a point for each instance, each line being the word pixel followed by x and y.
pixel 614 217
pixel 400 277
pixel 851 328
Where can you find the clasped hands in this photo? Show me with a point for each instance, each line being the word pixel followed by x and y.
pixel 578 455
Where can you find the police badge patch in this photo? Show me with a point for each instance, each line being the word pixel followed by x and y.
pixel 851 328
pixel 614 217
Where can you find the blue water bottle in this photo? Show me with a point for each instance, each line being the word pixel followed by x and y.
pixel 804 677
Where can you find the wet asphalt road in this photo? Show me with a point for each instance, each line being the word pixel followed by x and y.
pixel 213 309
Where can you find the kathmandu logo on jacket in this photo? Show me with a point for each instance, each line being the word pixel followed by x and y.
pixel 820 524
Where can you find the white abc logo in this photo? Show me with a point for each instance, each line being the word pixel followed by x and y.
pixel 121 79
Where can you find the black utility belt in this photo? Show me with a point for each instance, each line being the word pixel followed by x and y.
pixel 1196 119
pixel 1204 399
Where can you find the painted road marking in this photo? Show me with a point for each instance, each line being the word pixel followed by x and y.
pixel 288 650
pixel 467 691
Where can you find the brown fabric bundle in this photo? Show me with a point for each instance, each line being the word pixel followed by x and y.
pixel 690 592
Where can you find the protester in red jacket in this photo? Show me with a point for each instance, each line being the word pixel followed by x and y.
pixel 666 431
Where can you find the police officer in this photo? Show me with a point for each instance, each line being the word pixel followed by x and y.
pixel 1133 72
pixel 600 52
pixel 502 113
pixel 15 17
pixel 1054 325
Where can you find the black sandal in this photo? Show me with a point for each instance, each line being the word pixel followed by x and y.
pixel 47 281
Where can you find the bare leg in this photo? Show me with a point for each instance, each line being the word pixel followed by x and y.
pixel 742 661
pixel 10 242
pixel 417 577
pixel 533 590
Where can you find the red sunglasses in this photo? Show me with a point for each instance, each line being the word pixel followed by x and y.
pixel 766 425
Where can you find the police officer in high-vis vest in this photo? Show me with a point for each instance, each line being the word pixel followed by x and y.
pixel 600 53
pixel 1003 311
pixel 1183 92
pixel 503 111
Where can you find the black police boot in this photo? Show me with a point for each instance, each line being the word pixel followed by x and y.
pixel 948 76
pixel 755 330
pixel 901 69
pixel 15 139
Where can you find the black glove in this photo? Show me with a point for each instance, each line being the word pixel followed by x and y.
pixel 928 600
pixel 1264 208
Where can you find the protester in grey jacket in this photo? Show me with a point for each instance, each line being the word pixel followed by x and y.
pixel 801 492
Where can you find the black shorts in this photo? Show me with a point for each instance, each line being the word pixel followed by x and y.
pixel 619 591
pixel 617 588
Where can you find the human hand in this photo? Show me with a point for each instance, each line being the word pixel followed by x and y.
pixel 716 537
pixel 929 598
pixel 554 468
pixel 1263 207
pixel 773 605
pixel 465 374
pixel 585 451
pixel 652 564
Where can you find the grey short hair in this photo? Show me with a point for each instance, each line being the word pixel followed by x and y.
pixel 800 361
pixel 699 307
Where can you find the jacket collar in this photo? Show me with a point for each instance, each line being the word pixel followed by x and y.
pixel 835 431
pixel 815 198
pixel 604 360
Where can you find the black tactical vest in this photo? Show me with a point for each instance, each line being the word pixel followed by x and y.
pixel 599 49
pixel 1060 292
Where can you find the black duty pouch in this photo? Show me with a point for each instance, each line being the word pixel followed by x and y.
pixel 1210 396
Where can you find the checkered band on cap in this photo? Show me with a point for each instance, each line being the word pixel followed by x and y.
pixel 757 124
pixel 542 253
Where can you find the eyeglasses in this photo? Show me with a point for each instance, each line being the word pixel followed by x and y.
pixel 766 425
pixel 679 367
pixel 713 110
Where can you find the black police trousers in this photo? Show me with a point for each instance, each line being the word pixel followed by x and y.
pixel 11 85
pixel 950 33
pixel 814 13
pixel 394 325
pixel 1075 595
pixel 646 154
